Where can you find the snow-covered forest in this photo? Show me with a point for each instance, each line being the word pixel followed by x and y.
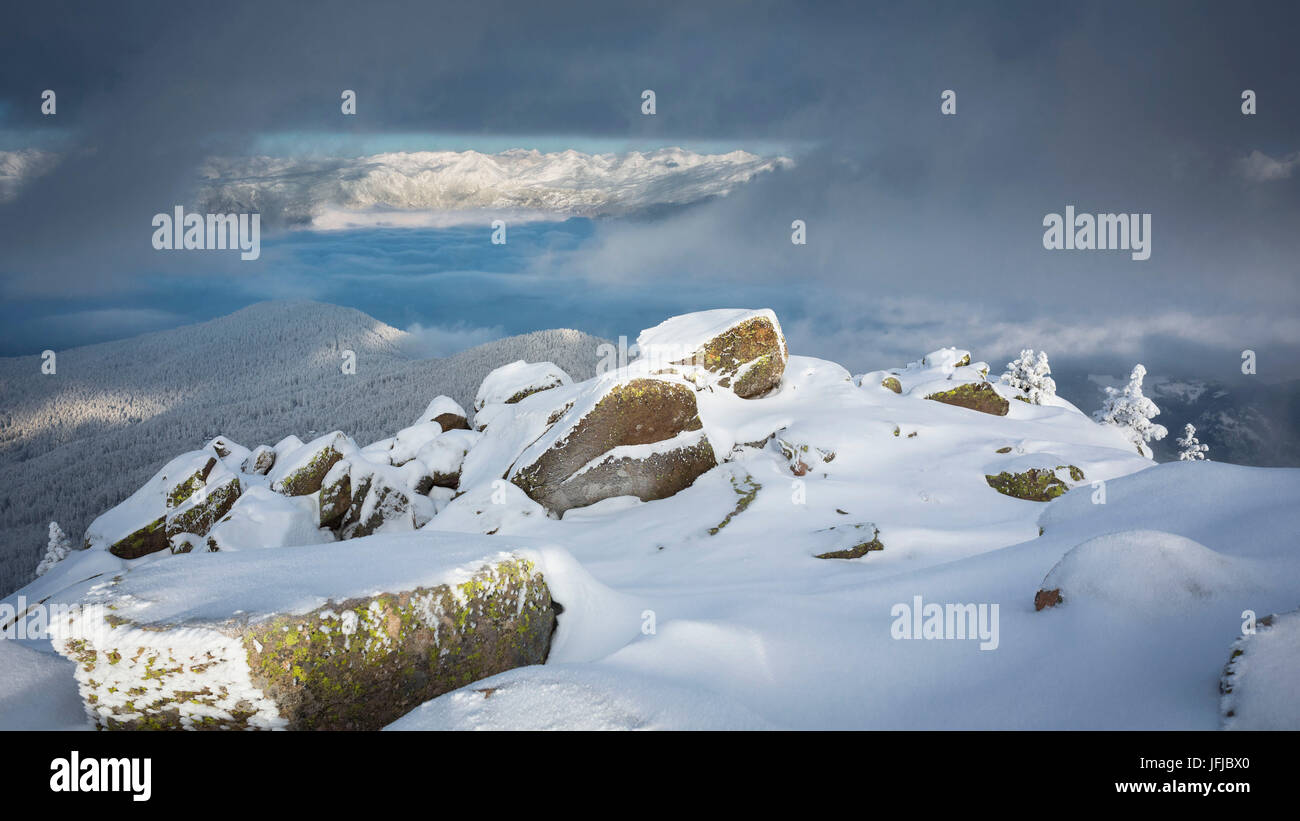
pixel 77 442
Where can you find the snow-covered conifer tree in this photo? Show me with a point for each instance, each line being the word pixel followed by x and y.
pixel 1129 409
pixel 57 550
pixel 1190 448
pixel 1031 374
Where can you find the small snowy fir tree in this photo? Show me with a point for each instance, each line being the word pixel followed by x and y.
pixel 1190 448
pixel 1129 409
pixel 58 549
pixel 1031 374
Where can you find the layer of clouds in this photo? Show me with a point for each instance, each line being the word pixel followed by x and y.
pixel 444 340
pixel 1108 107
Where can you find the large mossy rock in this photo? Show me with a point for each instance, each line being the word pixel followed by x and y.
pixel 741 349
pixel 166 505
pixel 224 656
pixel 978 396
pixel 205 507
pixel 300 471
pixel 1035 484
pixel 627 437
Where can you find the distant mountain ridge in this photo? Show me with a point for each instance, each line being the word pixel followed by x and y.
pixel 1246 423
pixel 77 442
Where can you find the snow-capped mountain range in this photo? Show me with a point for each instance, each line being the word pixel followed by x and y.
pixel 378 189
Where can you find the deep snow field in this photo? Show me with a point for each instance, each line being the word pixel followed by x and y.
pixel 699 611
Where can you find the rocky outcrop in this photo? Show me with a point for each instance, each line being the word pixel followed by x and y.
pixel 863 538
pixel 186 496
pixel 742 350
pixel 628 436
pixel 260 460
pixel 301 471
pixel 355 663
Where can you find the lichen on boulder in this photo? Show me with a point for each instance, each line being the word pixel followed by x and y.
pixel 1035 484
pixel 302 470
pixel 356 661
pixel 139 525
pixel 639 436
pixel 743 350
pixel 978 396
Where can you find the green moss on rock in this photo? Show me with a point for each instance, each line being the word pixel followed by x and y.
pixel 858 550
pixel 307 479
pixel 892 383
pixel 747 489
pixel 978 396
pixel 1035 484
pixel 149 539
pixel 401 650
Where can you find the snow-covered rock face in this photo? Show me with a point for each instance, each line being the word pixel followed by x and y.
pixel 511 383
pixel 304 638
pixel 626 437
pixel 739 349
pixel 187 496
pixel 447 412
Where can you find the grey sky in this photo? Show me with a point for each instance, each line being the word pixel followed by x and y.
pixel 919 225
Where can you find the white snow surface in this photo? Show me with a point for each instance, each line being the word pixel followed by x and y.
pixel 709 609
pixel 1264 677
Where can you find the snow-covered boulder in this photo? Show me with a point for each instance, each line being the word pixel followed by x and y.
pixel 260 460
pixel 946 375
pixel 510 383
pixel 1258 684
pixel 227 449
pixel 408 441
pixel 197 514
pixel 1142 570
pixel 447 412
pixel 138 526
pixel 490 509
pixel 264 518
pixel 444 456
pixel 305 638
pixel 623 437
pixel 299 472
pixel 359 497
pixel 740 349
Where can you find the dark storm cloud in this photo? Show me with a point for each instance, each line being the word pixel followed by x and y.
pixel 1111 107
